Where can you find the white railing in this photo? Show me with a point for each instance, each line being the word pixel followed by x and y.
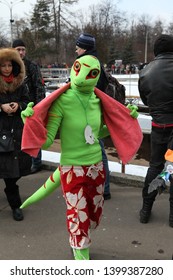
pixel 54 78
pixel 48 73
pixel 130 81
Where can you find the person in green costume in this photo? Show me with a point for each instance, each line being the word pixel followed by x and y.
pixel 81 167
pixel 77 114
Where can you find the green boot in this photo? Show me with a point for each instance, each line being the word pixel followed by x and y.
pixel 81 254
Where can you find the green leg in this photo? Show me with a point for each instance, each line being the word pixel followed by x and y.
pixel 81 254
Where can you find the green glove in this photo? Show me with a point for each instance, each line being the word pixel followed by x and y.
pixel 28 112
pixel 133 109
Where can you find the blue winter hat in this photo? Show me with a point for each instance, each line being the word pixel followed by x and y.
pixel 86 42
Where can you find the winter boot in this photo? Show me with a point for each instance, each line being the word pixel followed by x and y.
pixel 145 212
pixel 14 201
pixel 171 213
pixel 17 214
pixel 13 196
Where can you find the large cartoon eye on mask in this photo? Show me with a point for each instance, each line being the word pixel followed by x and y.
pixel 85 73
pixel 93 74
pixel 77 67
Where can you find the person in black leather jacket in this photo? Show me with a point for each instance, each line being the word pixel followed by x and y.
pixel 156 91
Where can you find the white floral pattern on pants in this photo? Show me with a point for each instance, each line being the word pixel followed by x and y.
pixel 83 192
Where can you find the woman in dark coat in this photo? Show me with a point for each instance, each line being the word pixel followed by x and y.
pixel 13 99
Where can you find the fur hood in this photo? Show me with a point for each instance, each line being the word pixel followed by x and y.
pixel 18 69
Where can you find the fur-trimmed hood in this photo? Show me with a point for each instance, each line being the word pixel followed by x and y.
pixel 18 69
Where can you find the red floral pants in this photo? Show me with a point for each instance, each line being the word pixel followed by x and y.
pixel 83 192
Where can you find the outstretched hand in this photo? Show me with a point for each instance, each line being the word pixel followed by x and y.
pixel 133 108
pixel 28 112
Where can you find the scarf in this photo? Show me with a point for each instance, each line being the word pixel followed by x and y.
pixel 8 79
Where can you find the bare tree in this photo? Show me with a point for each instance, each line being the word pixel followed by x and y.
pixel 105 22
pixel 61 16
pixel 53 27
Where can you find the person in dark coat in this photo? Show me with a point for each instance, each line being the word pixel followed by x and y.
pixel 86 45
pixel 156 91
pixel 13 99
pixel 34 81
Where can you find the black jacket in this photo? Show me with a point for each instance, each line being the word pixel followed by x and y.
pixel 34 81
pixel 14 164
pixel 156 88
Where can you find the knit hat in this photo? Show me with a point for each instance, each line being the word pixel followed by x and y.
pixel 163 44
pixel 18 43
pixel 86 42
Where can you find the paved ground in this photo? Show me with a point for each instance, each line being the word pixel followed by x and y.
pixel 43 235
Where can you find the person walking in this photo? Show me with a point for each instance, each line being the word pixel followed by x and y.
pixel 82 114
pixel 36 88
pixel 155 88
pixel 14 98
pixel 86 45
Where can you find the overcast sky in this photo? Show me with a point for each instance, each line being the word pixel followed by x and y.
pixel 162 9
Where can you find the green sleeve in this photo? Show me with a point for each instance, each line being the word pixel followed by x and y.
pixel 54 121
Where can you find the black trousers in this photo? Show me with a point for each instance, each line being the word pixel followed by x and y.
pixel 160 141
pixel 12 192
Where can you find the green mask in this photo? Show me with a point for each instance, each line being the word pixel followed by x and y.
pixel 85 73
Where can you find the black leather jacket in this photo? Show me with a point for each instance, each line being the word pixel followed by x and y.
pixel 156 88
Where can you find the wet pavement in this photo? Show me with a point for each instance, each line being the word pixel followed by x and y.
pixel 42 235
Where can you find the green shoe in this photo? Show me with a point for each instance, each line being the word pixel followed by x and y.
pixel 81 254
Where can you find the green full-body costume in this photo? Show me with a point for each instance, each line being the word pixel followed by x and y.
pixel 78 116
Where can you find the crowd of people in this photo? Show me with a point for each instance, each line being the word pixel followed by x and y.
pixel 54 65
pixel 125 69
pixel 84 171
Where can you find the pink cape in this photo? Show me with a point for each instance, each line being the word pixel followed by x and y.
pixel 124 130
